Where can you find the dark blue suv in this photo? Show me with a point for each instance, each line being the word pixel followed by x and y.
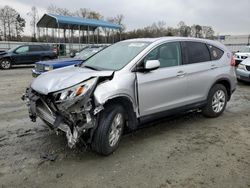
pixel 26 54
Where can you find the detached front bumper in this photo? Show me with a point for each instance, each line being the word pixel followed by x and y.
pixel 56 120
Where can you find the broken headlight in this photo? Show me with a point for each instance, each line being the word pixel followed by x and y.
pixel 75 91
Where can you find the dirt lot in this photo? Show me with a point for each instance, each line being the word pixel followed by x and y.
pixel 188 151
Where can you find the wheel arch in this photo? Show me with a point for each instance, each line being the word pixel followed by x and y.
pixel 7 57
pixel 127 104
pixel 226 83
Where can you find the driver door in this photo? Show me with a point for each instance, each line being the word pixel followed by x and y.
pixel 166 87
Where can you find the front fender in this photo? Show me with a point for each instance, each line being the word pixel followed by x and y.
pixel 124 86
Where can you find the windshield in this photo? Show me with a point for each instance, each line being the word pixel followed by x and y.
pixel 12 49
pixel 86 53
pixel 246 49
pixel 116 56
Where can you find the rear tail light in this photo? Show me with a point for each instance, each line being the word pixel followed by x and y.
pixel 233 62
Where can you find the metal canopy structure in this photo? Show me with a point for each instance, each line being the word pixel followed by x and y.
pixel 68 24
pixel 65 22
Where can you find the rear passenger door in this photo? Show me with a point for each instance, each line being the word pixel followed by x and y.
pixel 165 88
pixel 198 68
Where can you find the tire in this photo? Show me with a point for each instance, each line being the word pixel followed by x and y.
pixel 217 101
pixel 108 134
pixel 5 64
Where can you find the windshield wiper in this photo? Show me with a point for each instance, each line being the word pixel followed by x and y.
pixel 89 67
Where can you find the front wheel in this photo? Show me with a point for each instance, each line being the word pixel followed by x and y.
pixel 217 101
pixel 109 131
pixel 5 64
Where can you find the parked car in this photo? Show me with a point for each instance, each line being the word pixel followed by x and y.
pixel 244 54
pixel 26 54
pixel 130 83
pixel 44 66
pixel 243 70
pixel 74 53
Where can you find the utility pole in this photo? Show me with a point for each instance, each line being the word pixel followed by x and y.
pixel 248 43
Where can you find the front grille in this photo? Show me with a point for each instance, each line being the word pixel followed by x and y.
pixel 44 112
pixel 39 67
pixel 248 68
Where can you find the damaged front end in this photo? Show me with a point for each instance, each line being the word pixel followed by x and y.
pixel 71 110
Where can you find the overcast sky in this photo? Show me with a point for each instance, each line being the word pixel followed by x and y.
pixel 225 16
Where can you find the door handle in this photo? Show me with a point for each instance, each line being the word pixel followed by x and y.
pixel 214 67
pixel 181 74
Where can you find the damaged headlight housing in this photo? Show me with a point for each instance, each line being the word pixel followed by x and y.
pixel 75 91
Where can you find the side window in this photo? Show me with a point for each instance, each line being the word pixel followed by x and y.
pixel 215 52
pixel 46 48
pixel 35 48
pixel 22 49
pixel 197 52
pixel 168 54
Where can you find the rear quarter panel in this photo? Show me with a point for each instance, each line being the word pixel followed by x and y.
pixel 225 71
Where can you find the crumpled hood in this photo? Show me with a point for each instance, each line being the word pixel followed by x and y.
pixel 60 79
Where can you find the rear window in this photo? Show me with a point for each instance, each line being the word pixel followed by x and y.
pixel 215 52
pixel 36 48
pixel 47 47
pixel 196 52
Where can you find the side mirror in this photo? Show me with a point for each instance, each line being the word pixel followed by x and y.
pixel 152 65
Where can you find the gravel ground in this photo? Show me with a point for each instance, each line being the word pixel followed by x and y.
pixel 187 151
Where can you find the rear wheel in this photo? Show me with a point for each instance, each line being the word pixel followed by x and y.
pixel 5 64
pixel 217 101
pixel 109 131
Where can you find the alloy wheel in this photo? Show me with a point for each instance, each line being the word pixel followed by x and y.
pixel 5 64
pixel 116 129
pixel 218 101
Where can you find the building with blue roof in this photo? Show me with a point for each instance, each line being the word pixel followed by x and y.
pixel 65 22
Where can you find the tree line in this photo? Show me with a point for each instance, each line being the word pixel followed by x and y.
pixel 12 24
pixel 160 29
pixel 12 27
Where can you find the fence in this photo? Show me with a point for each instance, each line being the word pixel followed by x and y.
pixel 6 45
pixel 234 43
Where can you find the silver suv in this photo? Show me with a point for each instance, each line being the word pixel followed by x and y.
pixel 130 83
